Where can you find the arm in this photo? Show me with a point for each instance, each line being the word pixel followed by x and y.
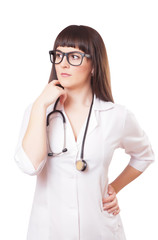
pixel 127 176
pixel 137 145
pixel 34 141
pixel 31 151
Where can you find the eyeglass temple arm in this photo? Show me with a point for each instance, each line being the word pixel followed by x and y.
pixel 87 55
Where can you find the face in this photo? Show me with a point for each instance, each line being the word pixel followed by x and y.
pixel 73 77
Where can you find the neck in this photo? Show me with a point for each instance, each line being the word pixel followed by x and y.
pixel 79 97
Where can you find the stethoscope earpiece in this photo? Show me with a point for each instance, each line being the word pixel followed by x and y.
pixel 64 150
pixel 50 154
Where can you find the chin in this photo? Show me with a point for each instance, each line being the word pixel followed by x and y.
pixel 65 83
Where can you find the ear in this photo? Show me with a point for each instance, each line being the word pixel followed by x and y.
pixel 92 72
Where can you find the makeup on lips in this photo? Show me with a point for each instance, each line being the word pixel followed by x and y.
pixel 65 75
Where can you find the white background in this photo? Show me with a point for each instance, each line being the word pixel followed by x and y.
pixel 28 30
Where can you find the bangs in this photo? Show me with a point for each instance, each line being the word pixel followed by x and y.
pixel 74 36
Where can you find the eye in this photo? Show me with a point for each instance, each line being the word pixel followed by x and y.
pixel 75 56
pixel 58 55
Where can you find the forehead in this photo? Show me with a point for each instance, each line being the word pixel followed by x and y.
pixel 68 49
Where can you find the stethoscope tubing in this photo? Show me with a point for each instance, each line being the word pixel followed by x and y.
pixel 81 163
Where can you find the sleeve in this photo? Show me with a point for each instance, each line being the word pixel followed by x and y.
pixel 136 143
pixel 20 156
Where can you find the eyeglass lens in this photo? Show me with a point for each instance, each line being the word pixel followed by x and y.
pixel 74 58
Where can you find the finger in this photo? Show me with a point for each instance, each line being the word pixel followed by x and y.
pixel 109 198
pixel 54 82
pixel 63 98
pixel 116 212
pixel 110 189
pixel 114 209
pixel 110 205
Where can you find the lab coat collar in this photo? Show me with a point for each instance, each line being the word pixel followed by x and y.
pixel 98 105
pixel 102 105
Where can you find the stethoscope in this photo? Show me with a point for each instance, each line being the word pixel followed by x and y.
pixel 80 164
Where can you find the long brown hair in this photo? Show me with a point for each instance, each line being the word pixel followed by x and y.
pixel 89 41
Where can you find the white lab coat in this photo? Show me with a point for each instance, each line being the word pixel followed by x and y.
pixel 67 203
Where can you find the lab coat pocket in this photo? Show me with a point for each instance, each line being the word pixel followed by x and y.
pixel 110 220
pixel 112 227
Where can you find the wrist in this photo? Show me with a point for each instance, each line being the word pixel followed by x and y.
pixel 115 187
pixel 39 105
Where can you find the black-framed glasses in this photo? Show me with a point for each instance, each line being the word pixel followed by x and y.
pixel 74 58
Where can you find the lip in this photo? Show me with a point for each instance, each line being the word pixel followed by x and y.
pixel 65 75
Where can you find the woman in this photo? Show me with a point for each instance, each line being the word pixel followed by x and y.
pixel 73 200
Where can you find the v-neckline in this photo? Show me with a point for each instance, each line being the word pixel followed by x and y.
pixel 81 131
pixel 85 124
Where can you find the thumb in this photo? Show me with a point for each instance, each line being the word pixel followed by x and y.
pixel 63 98
pixel 110 189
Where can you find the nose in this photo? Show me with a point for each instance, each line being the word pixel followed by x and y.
pixel 64 62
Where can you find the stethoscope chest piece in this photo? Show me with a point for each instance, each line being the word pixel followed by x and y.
pixel 81 165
